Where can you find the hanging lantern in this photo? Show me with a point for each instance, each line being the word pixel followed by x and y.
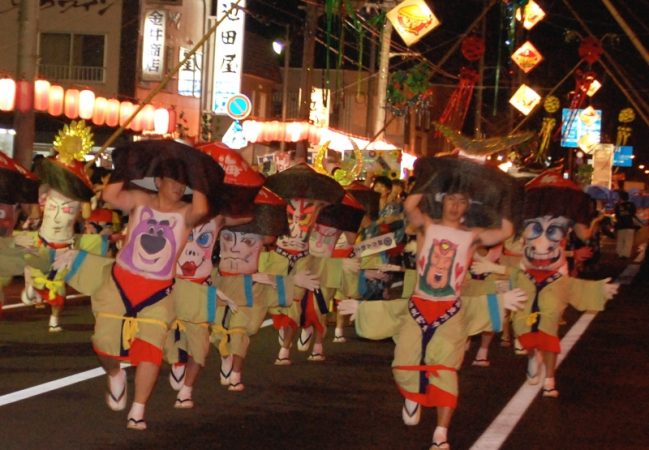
pixel 473 47
pixel 125 111
pixel 161 121
pixel 41 94
pixel 71 104
pixel 99 111
pixel 527 57
pixel 532 14
pixel 588 116
pixel 551 104
pixel 137 124
pixel 24 95
pixel 55 101
pixel 148 116
pixel 7 94
pixel 412 19
pixel 112 112
pixel 86 104
pixel 172 121
pixel 590 50
pixel 525 99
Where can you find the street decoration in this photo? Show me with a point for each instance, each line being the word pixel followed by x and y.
pixel 525 99
pixel 551 105
pixel 412 19
pixel 345 173
pixel 482 147
pixel 527 57
pixel 409 89
pixel 626 116
pixel 530 14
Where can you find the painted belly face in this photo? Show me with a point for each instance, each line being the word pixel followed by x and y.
pixel 59 214
pixel 301 214
pixel 239 252
pixel 195 260
pixel 544 242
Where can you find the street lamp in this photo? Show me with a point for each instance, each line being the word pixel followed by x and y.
pixel 280 46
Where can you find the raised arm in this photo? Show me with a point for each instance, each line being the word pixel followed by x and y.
pixel 118 197
pixel 495 236
pixel 414 215
pixel 198 209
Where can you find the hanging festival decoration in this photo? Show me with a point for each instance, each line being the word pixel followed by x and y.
pixel 525 99
pixel 482 147
pixel 530 14
pixel 551 105
pixel 458 104
pixel 527 57
pixel 590 50
pixel 345 173
pixel 473 48
pixel 409 89
pixel 412 19
pixel 626 116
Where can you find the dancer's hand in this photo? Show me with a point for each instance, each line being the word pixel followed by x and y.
pixel 348 307
pixel 610 289
pixel 514 300
pixel 306 280
pixel 24 240
pixel 65 259
pixel 351 265
pixel 390 268
pixel 227 300
pixel 264 278
pixel 375 274
pixel 483 266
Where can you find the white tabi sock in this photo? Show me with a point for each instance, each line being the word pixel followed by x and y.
pixel 440 435
pixel 548 384
pixel 338 332
pixel 185 392
pixel 283 353
pixel 54 321
pixel 235 378
pixel 317 349
pixel 482 355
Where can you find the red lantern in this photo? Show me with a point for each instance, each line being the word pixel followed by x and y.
pixel 86 104
pixel 24 95
pixel 137 123
pixel 99 111
pixel 161 121
pixel 473 48
pixel 125 111
pixel 112 112
pixel 71 104
pixel 590 50
pixel 55 103
pixel 172 121
pixel 7 94
pixel 41 95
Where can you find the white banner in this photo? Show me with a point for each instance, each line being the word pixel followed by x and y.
pixel 153 45
pixel 375 245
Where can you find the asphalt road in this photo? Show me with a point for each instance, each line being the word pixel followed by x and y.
pixel 348 401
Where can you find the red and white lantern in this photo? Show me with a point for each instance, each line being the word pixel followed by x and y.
pixel 161 121
pixel 112 112
pixel 125 111
pixel 99 111
pixel 86 104
pixel 7 94
pixel 55 101
pixel 71 103
pixel 41 95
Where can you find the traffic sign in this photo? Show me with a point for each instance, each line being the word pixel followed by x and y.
pixel 238 107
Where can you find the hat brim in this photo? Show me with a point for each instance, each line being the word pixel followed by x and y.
pixel 301 181
pixel 60 178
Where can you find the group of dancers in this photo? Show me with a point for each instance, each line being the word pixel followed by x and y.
pixel 296 246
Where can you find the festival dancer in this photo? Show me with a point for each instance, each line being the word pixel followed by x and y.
pixel 553 206
pixel 65 186
pixel 456 206
pixel 306 193
pixel 131 296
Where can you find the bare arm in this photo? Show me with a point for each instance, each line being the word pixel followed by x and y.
pixel 118 197
pixel 415 217
pixel 495 236
pixel 198 209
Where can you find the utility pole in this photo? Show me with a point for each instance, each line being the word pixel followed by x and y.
pixel 24 121
pixel 480 91
pixel 287 57
pixel 382 84
pixel 308 57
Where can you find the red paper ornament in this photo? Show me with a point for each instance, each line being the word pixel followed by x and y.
pixel 473 48
pixel 590 50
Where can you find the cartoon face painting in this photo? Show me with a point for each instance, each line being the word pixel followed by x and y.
pixel 322 240
pixel 544 242
pixel 301 216
pixel 59 215
pixel 438 269
pixel 195 260
pixel 8 217
pixel 239 252
pixel 152 244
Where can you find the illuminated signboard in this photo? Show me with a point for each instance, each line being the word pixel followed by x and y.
pixel 189 75
pixel 412 19
pixel 623 156
pixel 228 54
pixel 153 45
pixel 574 127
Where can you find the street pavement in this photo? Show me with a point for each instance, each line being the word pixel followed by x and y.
pixel 348 401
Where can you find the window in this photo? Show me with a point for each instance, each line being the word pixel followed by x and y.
pixel 77 57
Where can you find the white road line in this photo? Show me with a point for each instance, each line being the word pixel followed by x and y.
pixel 64 382
pixel 496 434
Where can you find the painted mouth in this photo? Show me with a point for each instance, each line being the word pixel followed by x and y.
pixel 545 261
pixel 189 268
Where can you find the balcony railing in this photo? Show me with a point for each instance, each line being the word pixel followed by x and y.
pixel 92 74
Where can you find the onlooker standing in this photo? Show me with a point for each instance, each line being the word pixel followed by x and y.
pixel 624 215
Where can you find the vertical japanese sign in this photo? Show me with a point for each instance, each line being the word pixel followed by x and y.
pixel 228 55
pixel 602 165
pixel 189 75
pixel 318 112
pixel 153 45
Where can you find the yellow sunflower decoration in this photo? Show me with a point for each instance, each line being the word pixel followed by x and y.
pixel 348 171
pixel 73 142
